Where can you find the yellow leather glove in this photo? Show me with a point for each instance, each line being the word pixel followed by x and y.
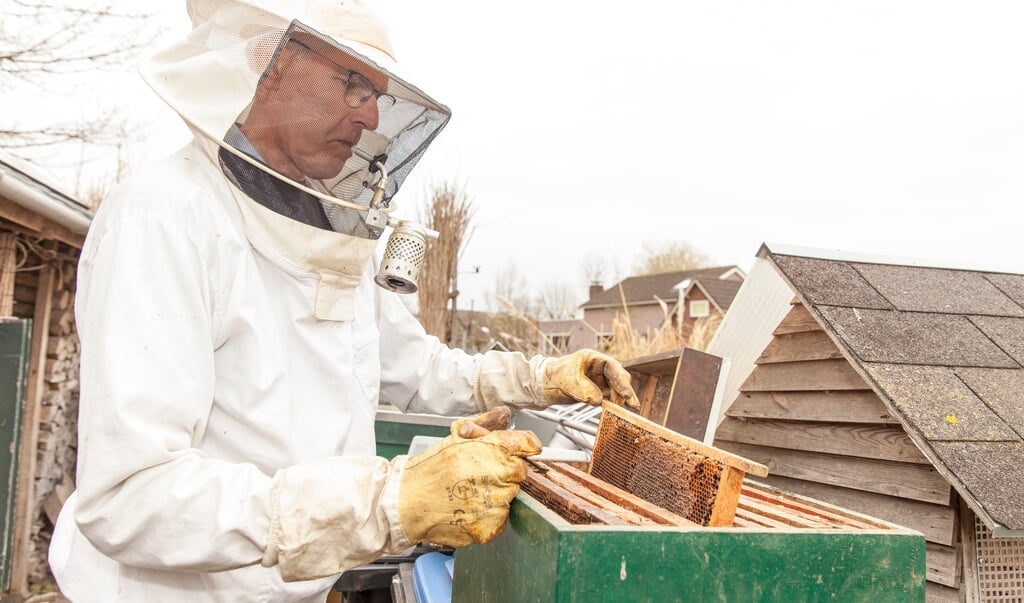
pixel 588 376
pixel 458 491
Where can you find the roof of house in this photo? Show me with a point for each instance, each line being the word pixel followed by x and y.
pixel 719 292
pixel 560 326
pixel 638 290
pixel 944 349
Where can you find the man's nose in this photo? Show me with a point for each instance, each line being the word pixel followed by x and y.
pixel 368 116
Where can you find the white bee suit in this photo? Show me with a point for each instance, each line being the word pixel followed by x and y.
pixel 232 364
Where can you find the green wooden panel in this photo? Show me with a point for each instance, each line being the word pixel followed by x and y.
pixel 15 338
pixel 541 558
pixel 393 438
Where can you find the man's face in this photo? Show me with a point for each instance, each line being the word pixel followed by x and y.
pixel 301 122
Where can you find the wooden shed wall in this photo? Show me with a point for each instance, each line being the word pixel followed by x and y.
pixel 42 269
pixel 806 414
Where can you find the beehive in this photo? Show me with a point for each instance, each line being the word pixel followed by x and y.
pixel 780 548
pixel 573 536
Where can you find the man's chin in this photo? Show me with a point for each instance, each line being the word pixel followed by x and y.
pixel 327 171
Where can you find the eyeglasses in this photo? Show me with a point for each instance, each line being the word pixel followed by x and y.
pixel 359 91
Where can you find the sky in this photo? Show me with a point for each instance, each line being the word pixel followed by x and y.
pixel 585 130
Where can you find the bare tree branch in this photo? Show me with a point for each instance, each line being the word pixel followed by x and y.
pixel 557 301
pixel 39 39
pixel 52 53
pixel 669 257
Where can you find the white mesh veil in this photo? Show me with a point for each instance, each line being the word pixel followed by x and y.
pixel 347 111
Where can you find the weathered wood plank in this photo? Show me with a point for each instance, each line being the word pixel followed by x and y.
pixel 7 264
pixel 904 480
pixel 728 494
pixel 29 278
pixel 936 522
pixel 23 510
pixel 750 518
pixel 35 224
pixel 798 320
pixel 884 442
pixel 943 564
pixel 23 294
pixel 807 345
pixel 816 510
pixel 573 508
pixel 971 583
pixel 811 375
pixel 850 406
pixel 936 593
pixel 592 497
pixel 780 514
pixel 647 398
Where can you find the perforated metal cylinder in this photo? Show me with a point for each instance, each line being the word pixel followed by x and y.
pixel 403 258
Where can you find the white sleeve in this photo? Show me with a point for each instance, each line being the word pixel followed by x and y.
pixel 146 496
pixel 322 525
pixel 420 374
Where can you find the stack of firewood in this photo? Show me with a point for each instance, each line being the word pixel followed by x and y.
pixel 58 420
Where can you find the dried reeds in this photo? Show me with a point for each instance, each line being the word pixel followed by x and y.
pixel 626 343
pixel 449 213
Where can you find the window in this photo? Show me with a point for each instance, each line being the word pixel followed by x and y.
pixel 699 308
pixel 559 344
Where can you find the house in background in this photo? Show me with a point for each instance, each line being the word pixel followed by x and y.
pixel 41 234
pixel 650 302
pixel 894 389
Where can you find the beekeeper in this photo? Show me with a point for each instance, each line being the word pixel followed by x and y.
pixel 235 345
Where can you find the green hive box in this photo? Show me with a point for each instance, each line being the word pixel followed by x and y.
pixel 395 430
pixel 542 558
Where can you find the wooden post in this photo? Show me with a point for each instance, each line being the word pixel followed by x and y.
pixel 7 253
pixel 24 507
pixel 969 543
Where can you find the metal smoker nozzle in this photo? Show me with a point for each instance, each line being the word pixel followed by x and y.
pixel 403 258
pixel 407 245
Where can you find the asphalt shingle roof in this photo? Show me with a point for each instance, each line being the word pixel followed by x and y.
pixel 643 289
pixel 944 348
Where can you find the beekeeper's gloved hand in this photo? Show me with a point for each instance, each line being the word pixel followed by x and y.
pixel 510 379
pixel 588 376
pixel 458 491
pixel 341 512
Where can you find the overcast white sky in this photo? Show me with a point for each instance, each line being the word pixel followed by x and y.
pixel 589 128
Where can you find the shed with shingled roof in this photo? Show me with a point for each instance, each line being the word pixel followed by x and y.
pixel 892 388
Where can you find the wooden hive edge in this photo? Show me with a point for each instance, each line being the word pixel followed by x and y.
pixel 730 459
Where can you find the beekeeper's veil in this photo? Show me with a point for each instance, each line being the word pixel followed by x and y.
pixel 235 79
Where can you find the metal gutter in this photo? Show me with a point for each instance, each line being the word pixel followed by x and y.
pixel 35 196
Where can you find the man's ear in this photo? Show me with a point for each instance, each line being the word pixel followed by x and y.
pixel 272 80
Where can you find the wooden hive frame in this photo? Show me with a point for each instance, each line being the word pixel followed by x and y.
pixel 670 470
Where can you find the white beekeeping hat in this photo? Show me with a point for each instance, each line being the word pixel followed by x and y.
pixel 210 79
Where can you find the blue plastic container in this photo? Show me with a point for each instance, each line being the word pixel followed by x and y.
pixel 432 578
